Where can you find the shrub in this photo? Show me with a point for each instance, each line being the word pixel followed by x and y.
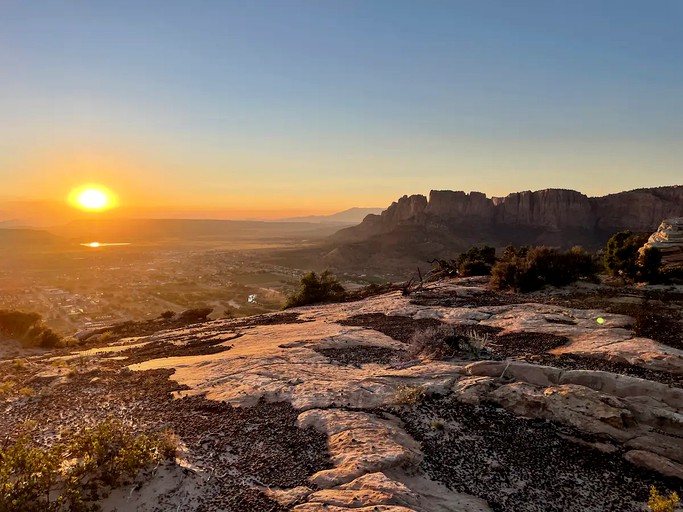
pixel 476 261
pixel 621 255
pixel 410 395
pixel 34 478
pixel 106 337
pixel 527 270
pixel 437 425
pixel 474 343
pixel 29 329
pixel 649 263
pixel 660 503
pixel 314 289
pixel 433 342
pixel 167 315
pixel 195 315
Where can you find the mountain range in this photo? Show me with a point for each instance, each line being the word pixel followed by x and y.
pixel 417 228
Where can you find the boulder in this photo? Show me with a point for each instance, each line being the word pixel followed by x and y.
pixel 655 462
pixel 668 239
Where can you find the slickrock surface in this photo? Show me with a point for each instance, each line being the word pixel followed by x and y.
pixel 530 424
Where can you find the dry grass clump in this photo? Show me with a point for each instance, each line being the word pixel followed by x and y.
pixel 660 503
pixel 433 343
pixel 410 395
pixel 443 342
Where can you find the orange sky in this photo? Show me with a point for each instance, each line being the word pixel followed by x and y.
pixel 277 109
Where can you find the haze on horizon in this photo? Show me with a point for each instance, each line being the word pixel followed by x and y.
pixel 287 108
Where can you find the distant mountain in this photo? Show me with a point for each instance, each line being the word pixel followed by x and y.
pixel 416 229
pixel 154 230
pixel 23 238
pixel 350 216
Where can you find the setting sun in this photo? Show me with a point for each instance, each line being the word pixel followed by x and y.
pixel 92 198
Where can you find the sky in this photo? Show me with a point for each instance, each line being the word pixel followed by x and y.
pixel 267 108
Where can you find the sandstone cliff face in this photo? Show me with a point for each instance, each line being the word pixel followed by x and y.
pixel 551 209
pixel 669 240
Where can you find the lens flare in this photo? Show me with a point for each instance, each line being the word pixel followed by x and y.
pixel 93 198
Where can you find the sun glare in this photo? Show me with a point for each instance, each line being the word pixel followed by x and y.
pixel 93 198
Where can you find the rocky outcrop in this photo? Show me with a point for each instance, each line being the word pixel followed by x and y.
pixel 553 217
pixel 669 240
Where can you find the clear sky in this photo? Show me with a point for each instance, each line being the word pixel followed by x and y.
pixel 260 107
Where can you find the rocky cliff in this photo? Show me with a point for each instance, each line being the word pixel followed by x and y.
pixel 669 240
pixel 453 220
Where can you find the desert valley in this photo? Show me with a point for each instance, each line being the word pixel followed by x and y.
pixel 341 256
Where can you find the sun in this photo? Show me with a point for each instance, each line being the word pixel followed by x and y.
pixel 93 198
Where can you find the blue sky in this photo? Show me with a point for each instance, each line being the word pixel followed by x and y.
pixel 323 105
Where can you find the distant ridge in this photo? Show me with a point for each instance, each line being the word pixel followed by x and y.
pixel 351 216
pixel 11 238
pixel 416 228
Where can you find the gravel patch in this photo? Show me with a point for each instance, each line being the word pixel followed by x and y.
pixel 522 465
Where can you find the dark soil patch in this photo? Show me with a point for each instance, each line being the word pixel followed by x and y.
pixel 358 355
pixel 561 321
pixel 160 348
pixel 522 465
pixel 654 315
pixel 526 343
pixel 278 319
pixel 400 328
pixel 262 442
pixel 486 298
pixel 577 362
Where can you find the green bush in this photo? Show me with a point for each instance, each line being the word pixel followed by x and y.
pixel 314 289
pixel 649 263
pixel 621 254
pixel 476 261
pixel 526 270
pixel 34 478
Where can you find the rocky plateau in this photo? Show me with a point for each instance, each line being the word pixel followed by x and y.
pixel 567 406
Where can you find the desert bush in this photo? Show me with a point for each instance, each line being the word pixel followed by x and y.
pixel 660 503
pixel 314 289
pixel 410 395
pixel 437 425
pixel 649 263
pixel 6 387
pixel 621 254
pixel 35 478
pixel 195 315
pixel 474 343
pixel 531 269
pixel 167 315
pixel 106 337
pixel 29 329
pixel 433 342
pixel 476 261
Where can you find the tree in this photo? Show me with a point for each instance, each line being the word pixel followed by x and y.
pixel 621 255
pixel 476 261
pixel 650 261
pixel 314 289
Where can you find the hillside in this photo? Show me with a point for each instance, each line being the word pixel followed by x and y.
pixel 350 216
pixel 16 238
pixel 454 398
pixel 416 228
